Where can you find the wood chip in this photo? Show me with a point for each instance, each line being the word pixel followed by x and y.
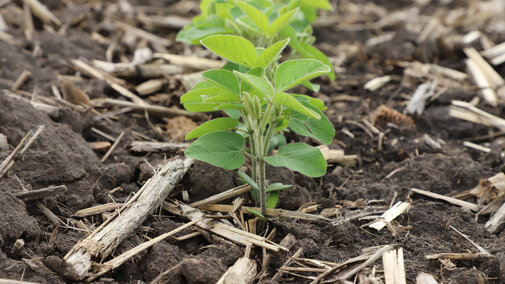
pixel 243 271
pixel 468 112
pixel 377 83
pixel 388 216
pixel 338 156
pixel 42 12
pixel 99 146
pixel 103 240
pixel 425 278
pixel 394 268
pixel 497 221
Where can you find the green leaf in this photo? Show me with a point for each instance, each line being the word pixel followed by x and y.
pixel 312 52
pixel 257 83
pixel 292 103
pixel 281 125
pixel 319 104
pixel 194 35
pixel 248 180
pixel 294 4
pixel 257 214
pixel 222 149
pixel 232 48
pixel 233 113
pixel 204 5
pixel 272 199
pixel 277 186
pixel 223 97
pixel 259 19
pixel 276 141
pixel 272 53
pixel 319 129
pixel 293 72
pixel 224 79
pixel 218 124
pixel 280 22
pixel 321 4
pixel 223 106
pixel 312 87
pixel 223 10
pixel 247 25
pixel 199 90
pixel 301 158
pixel 207 97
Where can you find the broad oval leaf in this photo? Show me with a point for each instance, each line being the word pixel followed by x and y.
pixel 301 158
pixel 259 19
pixel 270 55
pixel 280 22
pixel 223 97
pixel 201 106
pixel 313 52
pixel 257 83
pixel 232 48
pixel 218 124
pixel 293 72
pixel 199 91
pixel 292 103
pixel 319 129
pixel 224 79
pixel 221 149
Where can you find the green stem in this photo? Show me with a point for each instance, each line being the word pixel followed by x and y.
pixel 262 186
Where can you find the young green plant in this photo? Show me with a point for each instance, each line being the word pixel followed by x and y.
pixel 255 96
pixel 263 22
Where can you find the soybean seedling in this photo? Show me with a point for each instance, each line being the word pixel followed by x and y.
pixel 256 98
pixel 263 22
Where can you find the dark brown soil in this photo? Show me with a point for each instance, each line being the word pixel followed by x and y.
pixel 62 156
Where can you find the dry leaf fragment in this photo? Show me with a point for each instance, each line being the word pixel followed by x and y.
pixel 384 114
pixel 179 126
pixel 73 94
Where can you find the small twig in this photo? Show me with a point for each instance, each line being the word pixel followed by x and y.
pixel 122 258
pixel 41 193
pixel 155 110
pixel 143 146
pixel 468 205
pixel 171 269
pixel 356 269
pixel 22 147
pixel 458 256
pixel 286 264
pixel 481 249
pixel 112 147
pixel 222 196
pixel 98 209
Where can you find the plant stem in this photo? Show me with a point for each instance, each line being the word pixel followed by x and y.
pixel 262 186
